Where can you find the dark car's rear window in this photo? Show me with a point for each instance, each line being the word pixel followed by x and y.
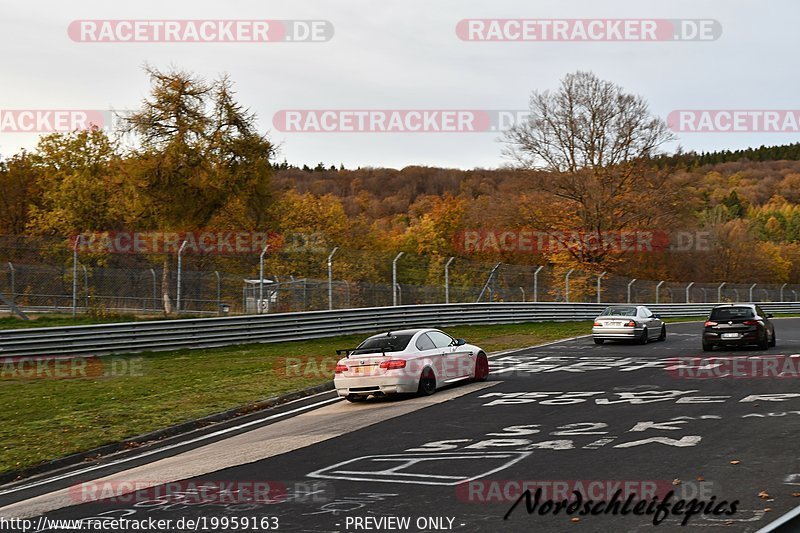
pixel 731 313
pixel 393 343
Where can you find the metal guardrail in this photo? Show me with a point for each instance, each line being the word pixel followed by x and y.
pixel 161 335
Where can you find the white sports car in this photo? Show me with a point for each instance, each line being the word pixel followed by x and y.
pixel 408 361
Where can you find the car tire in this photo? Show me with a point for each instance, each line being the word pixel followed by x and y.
pixel 764 344
pixel 599 341
pixel 643 338
pixel 355 398
pixel 773 341
pixel 663 335
pixel 427 383
pixel 481 368
pixel 707 347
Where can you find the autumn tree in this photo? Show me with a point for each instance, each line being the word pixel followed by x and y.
pixel 587 147
pixel 198 155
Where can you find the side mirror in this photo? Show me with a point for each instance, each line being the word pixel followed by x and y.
pixel 460 342
pixel 656 316
pixel 769 315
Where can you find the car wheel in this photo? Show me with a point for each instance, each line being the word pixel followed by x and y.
pixel 481 368
pixel 763 344
pixel 427 383
pixel 663 335
pixel 599 341
pixel 355 398
pixel 643 338
pixel 772 340
pixel 707 347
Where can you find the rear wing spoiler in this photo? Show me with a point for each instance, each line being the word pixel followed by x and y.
pixel 348 351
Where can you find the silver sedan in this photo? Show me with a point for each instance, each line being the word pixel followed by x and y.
pixel 628 322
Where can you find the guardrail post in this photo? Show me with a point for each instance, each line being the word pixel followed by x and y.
pixel 536 284
pixel 689 286
pixel 600 277
pixel 660 283
pixel 447 280
pixel 13 287
pixel 180 267
pixel 753 286
pixel 330 278
pixel 719 292
pixel 566 285
pixel 394 278
pixel 629 288
pixel 261 278
pixel 783 287
pixel 75 275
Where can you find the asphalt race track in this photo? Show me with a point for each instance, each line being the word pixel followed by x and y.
pixel 564 417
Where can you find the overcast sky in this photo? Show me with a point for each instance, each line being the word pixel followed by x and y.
pixel 405 54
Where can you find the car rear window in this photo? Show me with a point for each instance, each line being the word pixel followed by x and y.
pixel 619 311
pixel 731 313
pixel 384 343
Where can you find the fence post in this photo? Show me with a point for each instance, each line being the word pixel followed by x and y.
pixel 219 294
pixel 629 289
pixel 488 280
pixel 795 294
pixel 783 287
pixel 13 287
pixel 566 285
pixel 394 278
pixel 330 278
pixel 398 294
pixel 180 267
pixel 155 289
pixel 447 280
pixel 261 278
pixel 75 276
pixel 523 293
pixel 660 283
pixel 719 292
pixel 753 286
pixel 689 286
pixel 536 284
pixel 86 284
pixel 600 277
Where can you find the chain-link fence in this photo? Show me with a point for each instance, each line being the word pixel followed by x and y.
pixel 358 279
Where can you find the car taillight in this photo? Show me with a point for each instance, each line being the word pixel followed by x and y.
pixel 750 322
pixel 709 323
pixel 341 368
pixel 596 324
pixel 630 324
pixel 394 363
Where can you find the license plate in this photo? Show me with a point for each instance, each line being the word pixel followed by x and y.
pixel 358 370
pixel 730 335
pixel 613 323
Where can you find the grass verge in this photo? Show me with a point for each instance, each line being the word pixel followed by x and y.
pixel 117 397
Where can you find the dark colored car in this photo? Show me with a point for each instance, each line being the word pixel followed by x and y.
pixel 738 325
